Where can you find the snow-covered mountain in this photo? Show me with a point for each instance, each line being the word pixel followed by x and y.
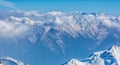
pixel 34 26
pixel 106 57
pixel 10 61
pixel 53 29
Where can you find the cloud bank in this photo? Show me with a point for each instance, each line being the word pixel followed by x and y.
pixel 53 25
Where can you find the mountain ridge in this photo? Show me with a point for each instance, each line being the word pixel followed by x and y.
pixel 105 57
pixel 4 60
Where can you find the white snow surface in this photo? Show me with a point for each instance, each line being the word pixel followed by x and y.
pixel 106 57
pixel 10 61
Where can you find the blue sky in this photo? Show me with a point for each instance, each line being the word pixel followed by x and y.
pixel 101 6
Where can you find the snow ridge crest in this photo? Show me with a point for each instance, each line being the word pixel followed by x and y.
pixel 106 57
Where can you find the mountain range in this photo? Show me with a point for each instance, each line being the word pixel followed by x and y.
pixel 67 33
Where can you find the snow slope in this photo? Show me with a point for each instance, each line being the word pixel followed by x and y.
pixel 10 61
pixel 106 57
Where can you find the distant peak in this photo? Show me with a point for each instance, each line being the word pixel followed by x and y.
pixel 115 48
pixel 75 62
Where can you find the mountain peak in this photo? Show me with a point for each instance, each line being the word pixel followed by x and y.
pixel 74 62
pixel 106 57
pixel 4 60
pixel 115 48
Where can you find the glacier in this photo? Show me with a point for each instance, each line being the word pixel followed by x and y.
pixel 106 57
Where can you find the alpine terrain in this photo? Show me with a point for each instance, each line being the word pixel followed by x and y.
pixel 106 57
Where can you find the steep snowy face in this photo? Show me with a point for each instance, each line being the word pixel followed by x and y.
pixel 10 61
pixel 35 27
pixel 75 62
pixel 107 57
pixel 115 51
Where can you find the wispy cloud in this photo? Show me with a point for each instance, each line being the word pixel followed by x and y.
pixel 7 4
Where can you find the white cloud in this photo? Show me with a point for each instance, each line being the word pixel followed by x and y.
pixel 11 29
